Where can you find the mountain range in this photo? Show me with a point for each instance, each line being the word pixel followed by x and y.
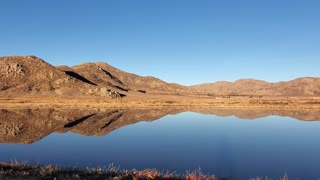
pixel 32 76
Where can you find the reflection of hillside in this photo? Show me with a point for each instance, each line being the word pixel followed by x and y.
pixel 27 126
pixel 304 115
pixel 30 125
pixel 105 122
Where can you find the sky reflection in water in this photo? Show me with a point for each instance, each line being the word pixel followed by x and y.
pixel 270 146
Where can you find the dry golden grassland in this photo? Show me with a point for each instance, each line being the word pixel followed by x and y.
pixel 281 103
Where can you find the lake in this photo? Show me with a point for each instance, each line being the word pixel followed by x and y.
pixel 233 143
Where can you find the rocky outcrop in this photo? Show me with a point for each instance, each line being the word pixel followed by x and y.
pixel 105 92
pixel 11 70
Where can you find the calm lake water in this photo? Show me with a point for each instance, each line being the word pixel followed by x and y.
pixel 224 146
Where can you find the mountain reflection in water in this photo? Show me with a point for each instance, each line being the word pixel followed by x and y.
pixel 31 125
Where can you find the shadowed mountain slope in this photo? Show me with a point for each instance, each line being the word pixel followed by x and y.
pixel 136 82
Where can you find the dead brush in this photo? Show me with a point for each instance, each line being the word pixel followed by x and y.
pixel 170 175
pixel 15 167
pixel 146 174
pixel 18 165
pixel 199 175
pixel 48 170
pixel 21 170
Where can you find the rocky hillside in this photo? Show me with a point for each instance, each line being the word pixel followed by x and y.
pixel 308 86
pixel 29 75
pixel 103 74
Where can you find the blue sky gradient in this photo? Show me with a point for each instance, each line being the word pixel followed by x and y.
pixel 183 41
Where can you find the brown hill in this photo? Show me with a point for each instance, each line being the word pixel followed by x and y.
pixel 104 74
pixel 148 83
pixel 308 86
pixel 29 75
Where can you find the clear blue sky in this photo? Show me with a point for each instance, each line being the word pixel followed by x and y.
pixel 183 41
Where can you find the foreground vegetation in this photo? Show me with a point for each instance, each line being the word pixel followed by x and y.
pixel 16 170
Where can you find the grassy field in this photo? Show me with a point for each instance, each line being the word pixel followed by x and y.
pixel 281 103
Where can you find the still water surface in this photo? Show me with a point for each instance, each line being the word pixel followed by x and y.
pixel 224 146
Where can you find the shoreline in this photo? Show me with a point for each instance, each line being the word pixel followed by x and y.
pixel 16 170
pixel 267 103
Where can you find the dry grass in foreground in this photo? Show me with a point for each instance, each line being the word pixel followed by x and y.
pixel 16 170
